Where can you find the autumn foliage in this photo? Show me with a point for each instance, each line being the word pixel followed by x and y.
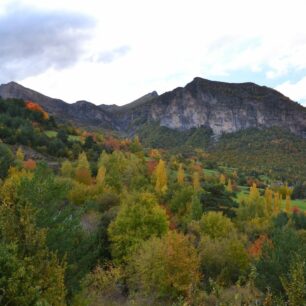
pixel 36 108
pixel 29 164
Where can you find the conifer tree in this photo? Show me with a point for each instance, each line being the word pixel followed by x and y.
pixel 161 177
pixel 180 175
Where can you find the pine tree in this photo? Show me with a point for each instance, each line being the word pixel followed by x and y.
pixel 180 175
pixel 161 177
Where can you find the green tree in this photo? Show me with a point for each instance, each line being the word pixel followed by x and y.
pixel 216 225
pixel 294 284
pixel 164 268
pixel 139 218
pixel 181 175
pixel 6 159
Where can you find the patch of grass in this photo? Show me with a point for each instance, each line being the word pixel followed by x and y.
pixel 51 134
pixel 74 138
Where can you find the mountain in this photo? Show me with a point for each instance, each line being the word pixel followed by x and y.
pixel 222 107
pixel 82 113
pixel 217 106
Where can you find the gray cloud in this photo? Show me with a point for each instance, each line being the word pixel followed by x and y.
pixel 112 55
pixel 33 40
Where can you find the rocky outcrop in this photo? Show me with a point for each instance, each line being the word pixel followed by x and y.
pixel 223 107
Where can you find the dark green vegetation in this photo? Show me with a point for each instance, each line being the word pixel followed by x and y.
pixel 115 223
pixel 274 152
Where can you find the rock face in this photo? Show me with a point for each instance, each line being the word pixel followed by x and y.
pixel 222 107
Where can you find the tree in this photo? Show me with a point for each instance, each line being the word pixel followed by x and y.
pixel 216 198
pixel 196 181
pixel 139 218
pixel 288 203
pixel 223 259
pixel 161 177
pixel 82 172
pixel 164 268
pixel 29 164
pixel 196 207
pixel 66 169
pixel 181 175
pixel 6 160
pixel 216 225
pixel 222 179
pixel 101 176
pixel 20 154
pixel 269 200
pixel 295 285
pixel 229 187
pixel 31 274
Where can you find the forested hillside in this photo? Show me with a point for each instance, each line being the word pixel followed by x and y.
pixel 88 218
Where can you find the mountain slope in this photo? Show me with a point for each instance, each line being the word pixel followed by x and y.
pixel 221 107
pixel 81 113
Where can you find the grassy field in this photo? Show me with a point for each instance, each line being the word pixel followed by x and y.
pixel 52 134
pixel 244 191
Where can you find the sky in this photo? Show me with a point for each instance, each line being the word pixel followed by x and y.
pixel 113 52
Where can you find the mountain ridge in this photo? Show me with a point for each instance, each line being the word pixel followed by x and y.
pixel 219 106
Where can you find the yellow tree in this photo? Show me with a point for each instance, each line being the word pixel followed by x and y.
pixel 222 179
pixel 196 181
pixel 254 192
pixel 268 200
pixel 20 154
pixel 83 173
pixel 66 169
pixel 276 203
pixel 180 175
pixel 288 203
pixel 101 175
pixel 229 187
pixel 161 177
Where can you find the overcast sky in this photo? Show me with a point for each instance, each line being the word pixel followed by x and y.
pixel 116 51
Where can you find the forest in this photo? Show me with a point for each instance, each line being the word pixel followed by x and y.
pixel 90 218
